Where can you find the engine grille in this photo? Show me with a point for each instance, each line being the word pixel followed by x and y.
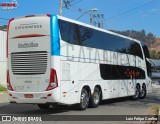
pixel 29 63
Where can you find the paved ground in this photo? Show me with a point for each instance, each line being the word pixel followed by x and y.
pixel 122 106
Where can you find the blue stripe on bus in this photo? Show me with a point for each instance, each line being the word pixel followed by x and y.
pixel 55 40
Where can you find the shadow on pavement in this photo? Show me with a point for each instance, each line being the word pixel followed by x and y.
pixel 30 109
pixel 126 101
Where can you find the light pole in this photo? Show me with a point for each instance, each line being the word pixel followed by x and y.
pixel 91 10
pixel 60 8
pixel 91 19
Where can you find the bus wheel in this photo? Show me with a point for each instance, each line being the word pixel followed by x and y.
pixel 137 93
pixel 143 92
pixel 84 100
pixel 95 98
pixel 43 106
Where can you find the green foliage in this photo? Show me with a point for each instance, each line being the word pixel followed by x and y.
pixel 2 88
pixel 4 27
pixel 154 54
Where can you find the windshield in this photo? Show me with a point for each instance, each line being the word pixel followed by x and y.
pixel 147 56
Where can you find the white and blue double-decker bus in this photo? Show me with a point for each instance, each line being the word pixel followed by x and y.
pixel 56 60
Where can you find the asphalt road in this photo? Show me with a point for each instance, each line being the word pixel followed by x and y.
pixel 121 106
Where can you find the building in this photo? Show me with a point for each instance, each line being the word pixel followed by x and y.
pixel 155 67
pixel 3 64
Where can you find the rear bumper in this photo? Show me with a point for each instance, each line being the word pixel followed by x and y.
pixel 52 96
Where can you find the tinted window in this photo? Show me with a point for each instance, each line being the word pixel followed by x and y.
pixel 117 72
pixel 145 50
pixel 80 35
pixel 146 54
pixel 133 48
pixel 66 31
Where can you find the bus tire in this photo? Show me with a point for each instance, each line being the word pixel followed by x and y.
pixel 95 98
pixel 43 106
pixel 143 92
pixel 137 93
pixel 84 100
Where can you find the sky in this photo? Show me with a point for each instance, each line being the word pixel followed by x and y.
pixel 118 14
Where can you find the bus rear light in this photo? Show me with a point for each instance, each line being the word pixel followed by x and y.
pixel 53 80
pixel 48 15
pixel 49 95
pixel 8 81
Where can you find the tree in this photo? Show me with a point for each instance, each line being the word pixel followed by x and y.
pixel 4 27
pixel 154 54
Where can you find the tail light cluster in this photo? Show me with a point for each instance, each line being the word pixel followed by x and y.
pixel 8 76
pixel 8 81
pixel 53 80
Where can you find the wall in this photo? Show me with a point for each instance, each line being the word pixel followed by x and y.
pixel 3 66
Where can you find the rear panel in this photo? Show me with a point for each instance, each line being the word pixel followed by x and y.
pixel 29 51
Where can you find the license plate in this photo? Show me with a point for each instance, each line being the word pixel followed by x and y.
pixel 28 95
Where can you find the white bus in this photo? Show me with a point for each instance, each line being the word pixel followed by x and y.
pixel 56 60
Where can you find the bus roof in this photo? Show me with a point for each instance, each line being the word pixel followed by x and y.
pixel 83 24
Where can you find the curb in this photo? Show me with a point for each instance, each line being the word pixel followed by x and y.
pixel 1 93
pixel 3 97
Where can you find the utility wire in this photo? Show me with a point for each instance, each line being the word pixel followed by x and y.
pixel 74 10
pixel 72 7
pixel 125 15
pixel 75 2
pixel 78 9
pixel 4 19
pixel 70 3
pixel 131 10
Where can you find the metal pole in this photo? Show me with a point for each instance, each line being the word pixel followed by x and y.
pixel 90 19
pixel 60 8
